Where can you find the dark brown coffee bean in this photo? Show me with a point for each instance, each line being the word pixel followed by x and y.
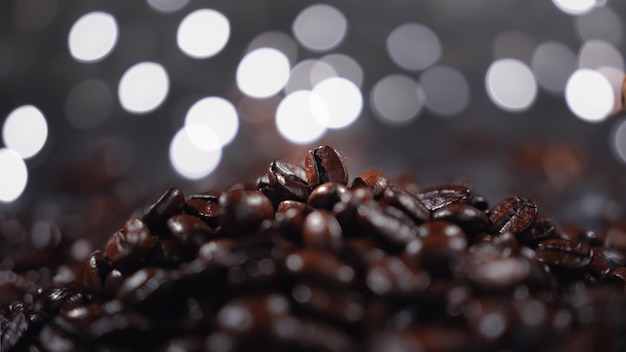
pixel 14 329
pixel 580 234
pixel 218 251
pixel 340 306
pixel 513 214
pixel 112 283
pixel 407 202
pixel 543 229
pixel 387 225
pixel 480 202
pixel 189 229
pixel 94 271
pixel 205 208
pixel 248 316
pixel 563 253
pixel 375 180
pixel 321 266
pixel 442 244
pixel 326 195
pixel 128 329
pixel 322 230
pixel 439 196
pixel 129 245
pixel 242 211
pixel 146 289
pixel 324 164
pixel 303 334
pixel 392 276
pixel 498 273
pixel 288 181
pixel 53 339
pixel 469 218
pixel 361 252
pixel 170 204
pixel 290 204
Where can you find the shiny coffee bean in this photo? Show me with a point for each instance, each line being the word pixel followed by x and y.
pixel 361 252
pixel 305 334
pixel 189 229
pixel 112 283
pixel 563 253
pixel 498 273
pixel 513 214
pixel 288 181
pixel 439 196
pixel 147 289
pixel 469 218
pixel 322 230
pixel 375 180
pixel 291 204
pixel 324 164
pixel 170 204
pixel 320 266
pixel 341 306
pixel 290 224
pixel 326 195
pixel 14 329
pixel 247 316
pixel 442 244
pixel 218 251
pixel 53 339
pixel 392 276
pixel 94 271
pixel 407 203
pixel 130 244
pixel 204 207
pixel 242 211
pixel 387 225
pixel 543 229
pixel 579 234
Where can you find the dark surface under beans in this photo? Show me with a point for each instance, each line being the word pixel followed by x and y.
pixel 308 260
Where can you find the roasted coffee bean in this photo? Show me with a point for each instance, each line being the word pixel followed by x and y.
pixel 53 339
pixel 579 234
pixel 189 229
pixel 326 195
pixel 498 273
pixel 322 230
pixel 112 283
pixel 248 316
pixel 407 202
pixel 563 253
pixel 242 211
pixel 321 266
pixel 361 252
pixel 469 218
pixel 543 229
pixel 131 244
pixel 439 196
pixel 170 204
pixel 338 305
pixel 375 180
pixel 146 289
pixel 441 244
pixel 480 202
pixel 288 181
pixel 94 271
pixel 14 329
pixel 392 276
pixel 392 228
pixel 302 334
pixel 204 207
pixel 324 164
pixel 513 214
pixel 291 204
pixel 290 224
pixel 218 251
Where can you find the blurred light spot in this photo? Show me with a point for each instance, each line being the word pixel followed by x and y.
pixel 343 100
pixel 258 110
pixel 93 36
pixel 167 6
pixel 13 177
pixel 89 104
pixel 397 99
pixel 619 140
pixel 25 131
pixel 511 84
pixel 552 64
pixel 616 78
pixel 597 53
pixel 262 72
pixel 143 87
pixel 6 58
pixel 276 40
pixel 601 23
pixel 515 45
pixel 413 46
pixel 446 91
pixel 575 7
pixel 195 151
pixel 80 249
pixel 302 117
pixel 218 114
pixel 589 95
pixel 320 27
pixel 346 67
pixel 203 33
pixel 34 15
pixel 306 74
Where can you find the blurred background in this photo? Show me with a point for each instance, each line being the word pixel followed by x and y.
pixel 105 104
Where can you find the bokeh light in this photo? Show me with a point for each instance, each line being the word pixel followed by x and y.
pixel 143 87
pixel 302 117
pixel 195 151
pixel 263 72
pixel 216 113
pixel 307 73
pixel 280 41
pixel 616 79
pixel 511 84
pixel 203 33
pixel 167 6
pixel 598 53
pixel 343 100
pixel 575 7
pixel 552 64
pixel 93 36
pixel 601 23
pixel 589 95
pixel 619 140
pixel 13 177
pixel 346 67
pixel 89 104
pixel 25 131
pixel 413 46
pixel 320 27
pixel 446 91
pixel 397 99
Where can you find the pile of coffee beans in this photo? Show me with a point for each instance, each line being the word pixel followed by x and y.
pixel 305 259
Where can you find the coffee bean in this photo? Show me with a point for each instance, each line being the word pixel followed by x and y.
pixel 94 271
pixel 336 305
pixel 439 196
pixel 563 253
pixel 442 244
pixel 498 273
pixel 322 230
pixel 326 195
pixel 469 218
pixel 513 214
pixel 543 228
pixel 14 329
pixel 170 204
pixel 321 266
pixel 247 316
pixel 131 244
pixel 288 181
pixel 204 207
pixel 303 334
pixel 242 211
pixel 147 289
pixel 189 229
pixel 291 204
pixel 392 276
pixel 387 225
pixel 324 164
pixel 407 202
pixel 375 180
pixel 53 339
